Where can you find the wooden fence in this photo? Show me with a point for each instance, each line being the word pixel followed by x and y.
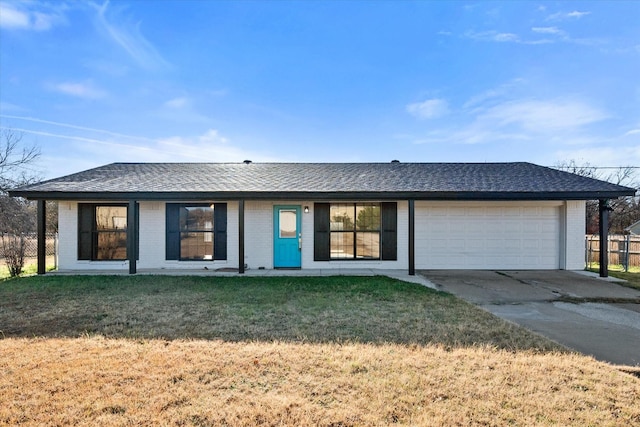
pixel 624 250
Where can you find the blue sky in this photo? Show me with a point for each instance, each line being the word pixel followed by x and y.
pixel 322 81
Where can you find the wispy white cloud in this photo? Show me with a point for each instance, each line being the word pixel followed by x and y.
pixel 104 66
pixel 7 106
pixel 209 146
pixel 632 132
pixel 110 144
pixel 560 16
pixel 543 115
pixel 177 103
pixel 502 37
pixel 505 115
pixel 13 18
pixel 429 109
pixel 548 30
pixel 549 35
pixel 32 16
pixel 502 90
pixel 126 34
pixel 182 109
pixel 492 35
pixel 577 14
pixel 620 155
pixel 76 127
pixel 105 146
pixel 85 90
pixel 217 92
pixel 506 37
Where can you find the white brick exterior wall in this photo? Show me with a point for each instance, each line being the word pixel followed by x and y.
pixel 430 235
pixel 68 236
pixel 68 243
pixel 152 241
pixel 576 224
pixel 258 233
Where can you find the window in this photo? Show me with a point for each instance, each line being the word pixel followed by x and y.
pixel 355 231
pixel 111 232
pixel 288 222
pixel 196 231
pixel 360 231
pixel 102 232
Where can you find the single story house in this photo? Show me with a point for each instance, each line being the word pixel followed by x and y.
pixel 320 215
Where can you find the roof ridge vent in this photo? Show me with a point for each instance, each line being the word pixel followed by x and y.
pixel 395 161
pixel 246 162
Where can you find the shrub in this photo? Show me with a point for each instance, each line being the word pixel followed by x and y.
pixel 13 248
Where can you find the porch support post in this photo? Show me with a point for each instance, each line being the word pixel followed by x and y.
pixel 412 242
pixel 42 236
pixel 132 233
pixel 603 208
pixel 241 236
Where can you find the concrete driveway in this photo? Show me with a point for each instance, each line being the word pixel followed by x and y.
pixel 585 313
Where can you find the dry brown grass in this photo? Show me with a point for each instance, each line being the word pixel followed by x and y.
pixel 99 381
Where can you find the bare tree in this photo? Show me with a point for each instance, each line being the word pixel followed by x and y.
pixel 17 216
pixel 626 210
pixel 16 161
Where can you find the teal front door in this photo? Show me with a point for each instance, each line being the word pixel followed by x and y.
pixel 287 237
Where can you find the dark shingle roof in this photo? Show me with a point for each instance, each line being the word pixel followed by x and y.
pixel 450 181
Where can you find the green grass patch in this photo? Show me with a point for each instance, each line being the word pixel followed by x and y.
pixel 632 277
pixel 594 266
pixel 301 309
pixel 28 270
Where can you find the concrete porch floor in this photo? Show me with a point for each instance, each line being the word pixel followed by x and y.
pixel 394 274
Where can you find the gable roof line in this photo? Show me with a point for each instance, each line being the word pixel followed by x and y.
pixel 421 181
pixel 204 195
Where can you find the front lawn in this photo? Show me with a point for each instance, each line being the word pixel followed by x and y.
pixel 338 351
pixel 301 309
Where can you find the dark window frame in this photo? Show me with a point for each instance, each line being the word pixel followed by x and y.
pixel 198 231
pixel 174 231
pixel 355 231
pixel 322 232
pixel 88 232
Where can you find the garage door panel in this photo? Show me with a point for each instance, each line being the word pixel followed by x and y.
pixel 487 236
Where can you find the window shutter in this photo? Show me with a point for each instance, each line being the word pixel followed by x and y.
pixel 173 231
pixel 220 231
pixel 321 232
pixel 389 211
pixel 85 226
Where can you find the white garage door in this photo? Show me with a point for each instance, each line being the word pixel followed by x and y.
pixel 482 235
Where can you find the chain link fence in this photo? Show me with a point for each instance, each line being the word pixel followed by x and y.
pixel 31 249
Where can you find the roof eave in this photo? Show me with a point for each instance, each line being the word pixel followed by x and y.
pixel 333 195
